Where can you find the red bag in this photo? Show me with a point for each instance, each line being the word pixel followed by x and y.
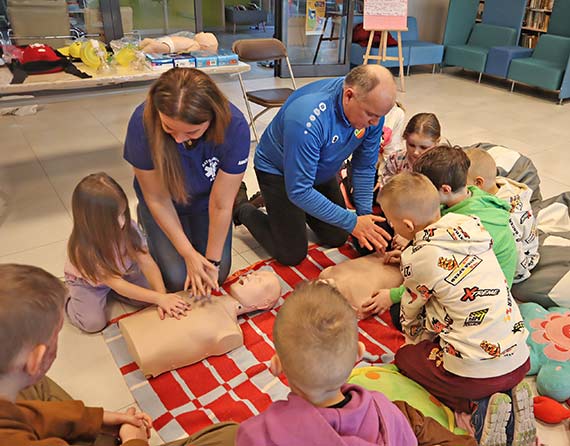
pixel 41 59
pixel 361 36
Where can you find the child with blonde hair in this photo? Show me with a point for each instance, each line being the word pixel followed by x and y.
pixel 483 174
pixel 108 256
pixel 316 345
pixel 466 340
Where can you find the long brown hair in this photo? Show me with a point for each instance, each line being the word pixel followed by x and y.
pixel 98 244
pixel 424 124
pixel 190 96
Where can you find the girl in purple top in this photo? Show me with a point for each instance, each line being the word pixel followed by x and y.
pixel 189 148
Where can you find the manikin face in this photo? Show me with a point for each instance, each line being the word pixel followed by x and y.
pixel 182 131
pixel 258 290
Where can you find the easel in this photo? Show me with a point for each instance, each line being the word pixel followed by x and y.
pixel 381 57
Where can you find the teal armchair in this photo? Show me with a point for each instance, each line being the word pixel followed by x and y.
pixel 473 54
pixel 547 66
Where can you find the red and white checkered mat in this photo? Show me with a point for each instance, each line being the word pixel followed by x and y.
pixel 237 385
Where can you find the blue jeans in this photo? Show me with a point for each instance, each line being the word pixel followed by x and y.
pixel 171 264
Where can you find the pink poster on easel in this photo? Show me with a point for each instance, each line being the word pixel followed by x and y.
pixel 388 15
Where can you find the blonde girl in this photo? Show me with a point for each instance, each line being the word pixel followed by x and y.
pixel 421 134
pixel 108 256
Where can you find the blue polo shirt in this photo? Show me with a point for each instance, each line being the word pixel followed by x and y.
pixel 200 161
pixel 307 142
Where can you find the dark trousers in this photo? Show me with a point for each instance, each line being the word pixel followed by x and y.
pixel 421 363
pixel 282 231
pixel 171 264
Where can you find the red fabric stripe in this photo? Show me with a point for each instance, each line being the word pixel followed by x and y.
pixel 198 378
pixel 348 251
pixel 169 391
pixel 308 269
pixel 226 409
pixel 321 258
pixel 194 421
pixel 256 344
pixel 287 274
pixel 162 421
pixel 131 367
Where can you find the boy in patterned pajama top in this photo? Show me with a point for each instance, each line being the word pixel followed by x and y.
pixel 465 339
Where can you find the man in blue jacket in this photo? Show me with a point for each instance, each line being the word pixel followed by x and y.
pixel 299 154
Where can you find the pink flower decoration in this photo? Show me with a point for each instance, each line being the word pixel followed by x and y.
pixel 553 330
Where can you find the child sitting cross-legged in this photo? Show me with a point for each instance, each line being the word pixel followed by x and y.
pixel 316 342
pixel 466 341
pixel 483 174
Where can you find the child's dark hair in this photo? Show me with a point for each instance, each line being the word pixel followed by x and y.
pixel 425 124
pixel 98 244
pixel 444 164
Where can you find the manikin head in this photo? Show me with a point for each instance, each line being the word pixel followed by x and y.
pixel 482 171
pixel 315 330
pixel 258 290
pixel 369 93
pixel 410 202
pixel 446 166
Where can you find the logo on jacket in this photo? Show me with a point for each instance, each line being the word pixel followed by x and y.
pixel 428 234
pixel 406 271
pixel 518 327
pixel 359 133
pixel 475 318
pixel 470 294
pixel 516 203
pixel 458 233
pixel 210 167
pixel 494 350
pixel 447 264
pixel 525 216
pixel 463 269
pixel 426 292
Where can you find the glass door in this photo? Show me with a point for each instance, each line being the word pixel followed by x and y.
pixel 160 17
pixel 316 33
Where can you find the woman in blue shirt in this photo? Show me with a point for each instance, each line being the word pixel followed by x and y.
pixel 189 148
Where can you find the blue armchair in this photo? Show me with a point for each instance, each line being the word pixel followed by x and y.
pixel 415 51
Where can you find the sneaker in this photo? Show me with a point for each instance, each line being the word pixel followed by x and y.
pixel 521 431
pixel 241 198
pixel 489 420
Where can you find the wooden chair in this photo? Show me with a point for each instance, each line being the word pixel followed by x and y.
pixel 256 50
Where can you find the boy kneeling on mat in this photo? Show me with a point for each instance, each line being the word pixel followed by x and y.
pixel 466 341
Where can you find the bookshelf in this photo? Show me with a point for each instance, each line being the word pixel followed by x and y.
pixel 535 20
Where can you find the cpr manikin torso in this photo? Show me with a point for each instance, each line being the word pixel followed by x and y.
pixel 358 279
pixel 210 328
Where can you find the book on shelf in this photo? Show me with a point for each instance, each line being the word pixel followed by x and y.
pixel 541 4
pixel 536 20
pixel 529 40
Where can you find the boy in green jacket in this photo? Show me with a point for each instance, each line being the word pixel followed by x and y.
pixel 447 169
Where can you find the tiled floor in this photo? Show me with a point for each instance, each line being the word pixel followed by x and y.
pixel 43 156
